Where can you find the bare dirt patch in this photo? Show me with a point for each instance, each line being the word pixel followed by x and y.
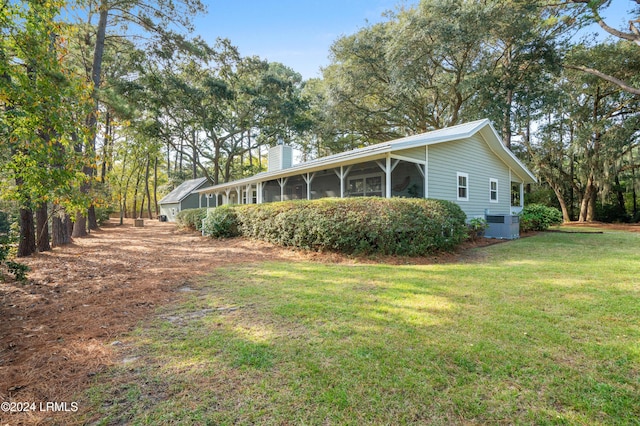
pixel 628 227
pixel 61 328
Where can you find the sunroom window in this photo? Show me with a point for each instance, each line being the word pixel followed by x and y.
pixel 365 186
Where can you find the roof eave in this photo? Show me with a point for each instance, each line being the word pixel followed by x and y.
pixel 308 167
pixel 490 134
pixel 378 151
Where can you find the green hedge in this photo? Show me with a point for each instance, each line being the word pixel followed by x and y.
pixel 221 222
pixel 191 218
pixel 397 226
pixel 538 217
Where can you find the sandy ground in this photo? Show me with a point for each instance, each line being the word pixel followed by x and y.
pixel 61 328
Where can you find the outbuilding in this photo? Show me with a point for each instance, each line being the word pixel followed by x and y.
pixel 181 198
pixel 467 164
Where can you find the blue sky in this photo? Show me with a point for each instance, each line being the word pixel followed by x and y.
pixel 298 33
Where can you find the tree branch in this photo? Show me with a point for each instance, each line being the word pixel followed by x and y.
pixel 626 87
pixel 633 36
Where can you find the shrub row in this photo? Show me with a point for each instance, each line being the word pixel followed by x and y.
pixel 367 225
pixel 191 218
pixel 538 217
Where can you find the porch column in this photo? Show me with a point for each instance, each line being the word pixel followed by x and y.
pixel 388 167
pixel 308 178
pixel 426 172
pixel 342 173
pixel 282 182
pixel 259 193
pixel 388 176
pixel 226 200
pixel 200 201
pixel 521 194
pixel 249 190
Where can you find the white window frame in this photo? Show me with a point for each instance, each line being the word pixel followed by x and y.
pixel 491 190
pixel 364 183
pixel 458 186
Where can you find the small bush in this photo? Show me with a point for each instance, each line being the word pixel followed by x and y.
pixel 103 213
pixel 397 226
pixel 537 217
pixel 221 222
pixel 18 270
pixel 191 218
pixel 477 227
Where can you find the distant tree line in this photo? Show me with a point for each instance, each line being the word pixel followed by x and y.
pixel 111 107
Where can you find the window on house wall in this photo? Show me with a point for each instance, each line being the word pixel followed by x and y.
pixel 463 186
pixel 493 190
pixel 365 186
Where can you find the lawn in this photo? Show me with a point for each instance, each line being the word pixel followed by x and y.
pixel 542 330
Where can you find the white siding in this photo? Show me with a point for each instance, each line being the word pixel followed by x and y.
pixel 280 157
pixel 170 210
pixel 473 157
pixel 413 153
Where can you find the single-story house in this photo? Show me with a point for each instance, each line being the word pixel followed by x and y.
pixel 181 198
pixel 467 164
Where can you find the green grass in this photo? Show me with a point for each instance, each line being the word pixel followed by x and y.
pixel 543 330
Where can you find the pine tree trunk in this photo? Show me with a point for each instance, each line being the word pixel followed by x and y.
pixel 506 119
pixel 135 204
pixel 92 218
pixel 142 206
pixel 79 226
pixel 42 228
pixel 96 74
pixel 27 243
pixel 194 161
pixel 122 212
pixel 135 195
pixel 106 148
pixel 155 186
pixel 146 185
pixel 60 232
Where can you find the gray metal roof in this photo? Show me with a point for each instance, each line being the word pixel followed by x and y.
pixel 183 190
pixel 449 134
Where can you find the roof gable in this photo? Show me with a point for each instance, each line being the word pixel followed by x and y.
pixel 183 190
